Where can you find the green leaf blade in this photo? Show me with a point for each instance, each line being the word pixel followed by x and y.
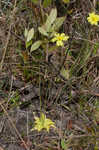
pixel 65 73
pixel 30 34
pixel 51 18
pixel 25 33
pixel 63 144
pixel 46 3
pixel 43 31
pixel 58 23
pixel 35 1
pixel 28 44
pixel 35 46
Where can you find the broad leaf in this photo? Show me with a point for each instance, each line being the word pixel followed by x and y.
pixel 66 1
pixel 46 3
pixel 51 18
pixel 28 44
pixel 65 73
pixel 42 31
pixel 35 46
pixel 35 1
pixel 30 34
pixel 58 23
pixel 25 33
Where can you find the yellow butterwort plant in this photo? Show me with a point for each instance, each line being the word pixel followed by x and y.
pixel 59 38
pixel 43 123
pixel 93 18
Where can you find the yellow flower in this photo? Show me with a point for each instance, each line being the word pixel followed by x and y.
pixel 93 18
pixel 43 123
pixel 59 38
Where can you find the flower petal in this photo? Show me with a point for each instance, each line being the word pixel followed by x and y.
pixel 63 34
pixel 93 18
pixel 54 39
pixel 59 43
pixel 66 38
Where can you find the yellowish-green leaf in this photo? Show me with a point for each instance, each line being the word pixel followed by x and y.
pixel 46 3
pixel 42 31
pixel 96 145
pixel 58 23
pixel 66 1
pixel 35 1
pixel 28 44
pixel 51 18
pixel 30 34
pixel 65 73
pixel 43 123
pixel 35 46
pixel 63 144
pixel 25 33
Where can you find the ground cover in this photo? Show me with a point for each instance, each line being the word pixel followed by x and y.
pixel 49 75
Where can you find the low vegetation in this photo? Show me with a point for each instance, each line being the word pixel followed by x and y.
pixel 49 74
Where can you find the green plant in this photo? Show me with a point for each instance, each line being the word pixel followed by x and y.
pixel 14 99
pixel 43 123
pixel 66 1
pixel 65 144
pixel 46 3
pixel 47 31
pixel 48 35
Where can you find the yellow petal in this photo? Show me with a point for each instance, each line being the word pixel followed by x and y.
pixel 66 38
pixel 63 34
pixel 54 39
pixel 59 43
pixel 56 34
pixel 93 18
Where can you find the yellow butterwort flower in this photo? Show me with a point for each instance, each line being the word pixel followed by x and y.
pixel 59 38
pixel 93 18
